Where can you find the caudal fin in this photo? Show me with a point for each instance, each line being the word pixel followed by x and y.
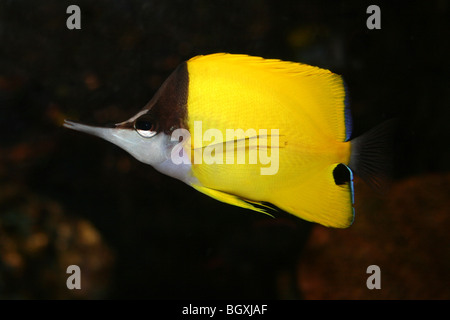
pixel 372 155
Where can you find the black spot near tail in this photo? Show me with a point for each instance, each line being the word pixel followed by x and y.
pixel 341 174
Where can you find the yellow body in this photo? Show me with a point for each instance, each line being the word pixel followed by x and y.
pixel 306 105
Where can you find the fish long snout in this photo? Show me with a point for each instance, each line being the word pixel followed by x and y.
pixel 102 132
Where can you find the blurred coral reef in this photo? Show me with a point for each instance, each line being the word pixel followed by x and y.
pixel 39 240
pixel 405 233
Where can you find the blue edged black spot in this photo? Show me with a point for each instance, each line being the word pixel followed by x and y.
pixel 342 174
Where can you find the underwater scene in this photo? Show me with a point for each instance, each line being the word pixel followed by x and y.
pixel 348 194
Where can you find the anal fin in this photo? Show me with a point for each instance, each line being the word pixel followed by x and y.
pixel 321 199
pixel 234 200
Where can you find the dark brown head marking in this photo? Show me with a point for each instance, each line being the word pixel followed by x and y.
pixel 167 110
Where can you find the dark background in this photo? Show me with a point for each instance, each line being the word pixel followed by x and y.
pixel 68 198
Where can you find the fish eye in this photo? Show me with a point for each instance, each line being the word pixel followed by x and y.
pixel 145 128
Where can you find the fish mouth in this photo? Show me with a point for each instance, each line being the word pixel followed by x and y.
pixel 77 126
pixel 102 132
pixel 69 124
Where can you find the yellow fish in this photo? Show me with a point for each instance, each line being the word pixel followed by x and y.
pixel 255 133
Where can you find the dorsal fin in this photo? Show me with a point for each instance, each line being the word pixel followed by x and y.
pixel 320 93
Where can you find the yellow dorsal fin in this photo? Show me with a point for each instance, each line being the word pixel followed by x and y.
pixel 320 93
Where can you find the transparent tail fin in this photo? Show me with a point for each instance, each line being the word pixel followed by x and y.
pixel 372 155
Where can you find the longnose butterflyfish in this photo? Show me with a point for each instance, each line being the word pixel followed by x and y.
pixel 256 133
